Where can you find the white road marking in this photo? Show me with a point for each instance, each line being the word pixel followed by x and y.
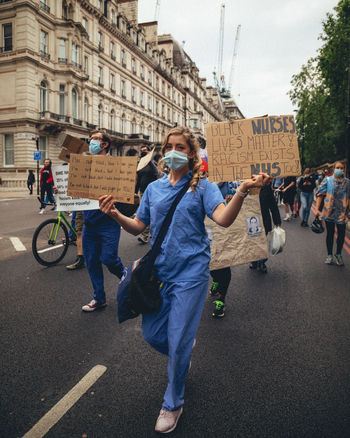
pixel 56 412
pixel 50 248
pixel 18 245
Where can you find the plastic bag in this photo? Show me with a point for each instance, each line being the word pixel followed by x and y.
pixel 277 240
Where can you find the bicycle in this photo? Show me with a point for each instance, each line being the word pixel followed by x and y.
pixel 51 240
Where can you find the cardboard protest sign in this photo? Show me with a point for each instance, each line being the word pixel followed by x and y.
pixel 240 148
pixel 70 145
pixel 64 202
pixel 243 242
pixel 145 160
pixel 91 176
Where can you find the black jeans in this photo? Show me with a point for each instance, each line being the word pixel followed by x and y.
pixel 341 228
pixel 223 277
pixel 46 188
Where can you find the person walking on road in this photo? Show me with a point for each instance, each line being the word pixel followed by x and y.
pixel 145 176
pixel 289 191
pixel 100 237
pixel 335 190
pixel 30 181
pixel 183 263
pixel 46 185
pixel 306 185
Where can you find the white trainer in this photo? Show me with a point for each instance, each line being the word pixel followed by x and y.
pixel 93 305
pixel 167 420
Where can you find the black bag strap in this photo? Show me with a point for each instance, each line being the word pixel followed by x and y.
pixel 153 253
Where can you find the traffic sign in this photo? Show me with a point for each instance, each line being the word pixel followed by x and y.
pixel 37 155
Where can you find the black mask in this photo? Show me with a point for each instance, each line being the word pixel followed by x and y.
pixel 143 154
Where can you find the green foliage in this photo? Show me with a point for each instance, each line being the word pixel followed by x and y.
pixel 321 92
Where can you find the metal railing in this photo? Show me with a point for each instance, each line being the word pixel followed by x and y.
pixel 44 54
pixel 62 60
pixel 45 7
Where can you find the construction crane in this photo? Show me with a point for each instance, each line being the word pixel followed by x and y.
pixel 156 12
pixel 234 59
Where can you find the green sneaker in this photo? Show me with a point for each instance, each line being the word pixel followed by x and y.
pixel 214 290
pixel 339 260
pixel 219 310
pixel 329 260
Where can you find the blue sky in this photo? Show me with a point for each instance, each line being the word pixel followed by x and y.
pixel 277 38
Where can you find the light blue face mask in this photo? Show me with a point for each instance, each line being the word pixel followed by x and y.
pixel 175 160
pixel 95 147
pixel 338 173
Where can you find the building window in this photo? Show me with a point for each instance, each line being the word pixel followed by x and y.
pixel 86 110
pixel 134 37
pixel 43 42
pixel 112 50
pixel 62 50
pixel 133 127
pixel 133 64
pixel 100 5
pixel 163 87
pixel 43 96
pixel 142 128
pixel 142 99
pixel 157 83
pixel 142 73
pixel 62 100
pixel 112 118
pixel 169 119
pixel 85 64
pixel 7 37
pixel 133 94
pixel 149 103
pixel 43 149
pixel 157 107
pixel 9 152
pixel 150 78
pixel 99 116
pixel 84 23
pixel 112 16
pixel 74 103
pixel 122 127
pixel 75 55
pixel 112 82
pixel 100 73
pixel 64 11
pixel 123 58
pixel 123 89
pixel 163 111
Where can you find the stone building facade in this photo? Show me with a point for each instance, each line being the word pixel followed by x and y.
pixel 71 66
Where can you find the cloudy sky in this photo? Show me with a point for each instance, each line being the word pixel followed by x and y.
pixel 277 37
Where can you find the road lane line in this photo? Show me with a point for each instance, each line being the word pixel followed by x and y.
pixel 18 245
pixel 50 248
pixel 56 412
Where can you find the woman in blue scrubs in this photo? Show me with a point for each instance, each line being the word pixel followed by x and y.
pixel 183 263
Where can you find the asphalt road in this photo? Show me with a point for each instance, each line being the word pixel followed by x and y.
pixel 277 364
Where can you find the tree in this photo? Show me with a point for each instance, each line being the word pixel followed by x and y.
pixel 321 92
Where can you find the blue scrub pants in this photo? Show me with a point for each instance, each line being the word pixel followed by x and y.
pixel 172 331
pixel 100 245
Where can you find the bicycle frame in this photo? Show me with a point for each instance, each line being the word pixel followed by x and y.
pixel 54 230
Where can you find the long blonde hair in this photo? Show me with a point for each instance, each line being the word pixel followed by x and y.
pixel 193 163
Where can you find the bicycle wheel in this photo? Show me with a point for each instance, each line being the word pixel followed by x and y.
pixel 50 242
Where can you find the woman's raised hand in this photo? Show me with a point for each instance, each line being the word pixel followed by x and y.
pixel 258 180
pixel 107 205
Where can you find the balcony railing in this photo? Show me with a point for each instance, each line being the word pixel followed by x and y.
pixel 62 60
pixel 115 133
pixel 100 83
pixel 76 65
pixel 77 122
pixel 60 117
pixel 44 54
pixel 90 125
pixel 113 90
pixel 113 56
pixel 7 48
pixel 124 64
pixel 45 7
pixel 100 48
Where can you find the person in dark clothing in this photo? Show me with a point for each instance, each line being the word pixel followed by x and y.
pixel 30 182
pixel 307 184
pixel 289 192
pixel 145 176
pixel 268 206
pixel 46 185
pixel 100 237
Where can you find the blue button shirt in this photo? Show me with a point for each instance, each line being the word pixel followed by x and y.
pixel 185 252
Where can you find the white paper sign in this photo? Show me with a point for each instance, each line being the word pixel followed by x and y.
pixel 64 202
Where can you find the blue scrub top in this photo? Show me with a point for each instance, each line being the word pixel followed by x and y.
pixel 185 252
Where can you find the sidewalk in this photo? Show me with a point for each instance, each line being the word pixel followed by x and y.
pixel 16 194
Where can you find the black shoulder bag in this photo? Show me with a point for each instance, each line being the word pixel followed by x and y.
pixel 138 291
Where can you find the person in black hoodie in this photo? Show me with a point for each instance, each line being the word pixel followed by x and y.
pixel 30 181
pixel 268 206
pixel 100 237
pixel 307 184
pixel 46 185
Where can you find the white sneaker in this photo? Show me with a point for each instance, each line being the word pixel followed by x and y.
pixel 287 218
pixel 167 420
pixel 42 211
pixel 93 305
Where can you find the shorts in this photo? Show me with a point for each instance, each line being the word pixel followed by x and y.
pixel 79 222
pixel 288 197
